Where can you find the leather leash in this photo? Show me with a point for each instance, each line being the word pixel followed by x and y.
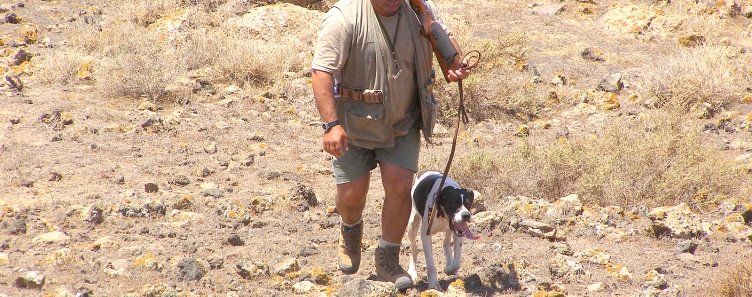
pixel 472 58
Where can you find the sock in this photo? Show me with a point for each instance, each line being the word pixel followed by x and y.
pixel 383 243
pixel 350 225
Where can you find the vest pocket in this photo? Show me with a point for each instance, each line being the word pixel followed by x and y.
pixel 365 121
pixel 369 111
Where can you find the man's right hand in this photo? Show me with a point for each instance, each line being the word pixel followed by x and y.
pixel 335 141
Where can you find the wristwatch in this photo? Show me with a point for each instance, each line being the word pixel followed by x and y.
pixel 329 125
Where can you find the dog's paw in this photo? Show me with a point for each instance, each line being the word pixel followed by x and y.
pixel 451 269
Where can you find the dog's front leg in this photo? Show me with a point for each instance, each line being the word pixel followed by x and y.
pixel 448 251
pixel 455 265
pixel 433 281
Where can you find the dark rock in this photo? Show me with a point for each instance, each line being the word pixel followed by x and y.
pixel 95 215
pixel 190 270
pixel 251 269
pixel 56 138
pixel 11 18
pixel 18 226
pixel 27 183
pixel 305 194
pixel 235 240
pixel 120 180
pixel 14 121
pixel 151 187
pixel 592 54
pixel 20 57
pixel 84 292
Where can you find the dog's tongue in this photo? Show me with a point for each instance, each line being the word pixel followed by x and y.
pixel 466 231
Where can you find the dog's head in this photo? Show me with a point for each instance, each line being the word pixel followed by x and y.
pixel 456 204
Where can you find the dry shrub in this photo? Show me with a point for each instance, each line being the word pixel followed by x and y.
pixel 737 282
pixel 59 68
pixel 133 61
pixel 499 87
pixel 651 162
pixel 712 74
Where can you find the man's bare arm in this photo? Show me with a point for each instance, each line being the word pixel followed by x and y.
pixel 335 141
pixel 323 92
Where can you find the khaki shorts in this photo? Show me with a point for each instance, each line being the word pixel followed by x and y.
pixel 358 161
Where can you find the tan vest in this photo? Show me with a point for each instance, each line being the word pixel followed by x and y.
pixel 368 67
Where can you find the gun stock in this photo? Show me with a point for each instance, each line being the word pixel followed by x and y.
pixel 444 47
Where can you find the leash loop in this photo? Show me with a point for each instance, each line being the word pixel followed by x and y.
pixel 470 61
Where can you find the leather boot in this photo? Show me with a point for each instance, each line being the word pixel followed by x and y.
pixel 348 250
pixel 388 268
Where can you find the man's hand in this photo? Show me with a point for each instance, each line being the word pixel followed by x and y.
pixel 458 71
pixel 335 141
pixel 458 74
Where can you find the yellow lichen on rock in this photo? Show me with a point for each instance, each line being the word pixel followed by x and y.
pixel 85 70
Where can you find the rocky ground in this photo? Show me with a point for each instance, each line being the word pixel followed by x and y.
pixel 224 190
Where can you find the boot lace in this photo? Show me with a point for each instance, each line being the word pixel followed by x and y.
pixel 351 236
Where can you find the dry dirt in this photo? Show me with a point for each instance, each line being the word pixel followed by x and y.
pixel 232 161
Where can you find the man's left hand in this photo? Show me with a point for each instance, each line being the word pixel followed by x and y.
pixel 458 73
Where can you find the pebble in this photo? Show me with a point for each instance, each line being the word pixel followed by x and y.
pixel 190 270
pixel 251 269
pixel 18 226
pixel 151 187
pixel 596 287
pixel 235 240
pixel 30 280
pixel 95 215
pixel 51 237
pixel 211 148
pixel 303 287
pixel 287 266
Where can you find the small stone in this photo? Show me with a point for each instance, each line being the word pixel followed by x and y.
pixel 522 131
pixel 550 9
pixel 251 269
pixel 190 270
pixel 146 105
pixel 95 215
pixel 216 193
pixel 54 177
pixel 14 121
pixel 215 262
pixel 235 240
pixel 20 57
pixel 362 287
pixel 287 266
pixel 594 256
pixel 559 80
pixel 592 54
pixel 120 180
pixel 692 40
pixel 11 18
pixel 619 272
pixel 211 148
pixel 151 187
pixel 4 259
pixel 655 279
pixel 184 203
pixel 18 226
pixel 611 83
pixel 51 237
pixel 181 180
pixel 596 287
pixel 687 247
pixel 30 280
pixel 303 287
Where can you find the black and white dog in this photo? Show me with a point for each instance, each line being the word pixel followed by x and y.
pixel 453 215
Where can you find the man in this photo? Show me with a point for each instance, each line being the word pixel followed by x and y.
pixel 372 80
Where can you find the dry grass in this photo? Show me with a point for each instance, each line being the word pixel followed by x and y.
pixel 671 164
pixel 500 87
pixel 712 74
pixel 133 58
pixel 736 282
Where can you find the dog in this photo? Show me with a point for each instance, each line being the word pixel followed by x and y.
pixel 452 216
